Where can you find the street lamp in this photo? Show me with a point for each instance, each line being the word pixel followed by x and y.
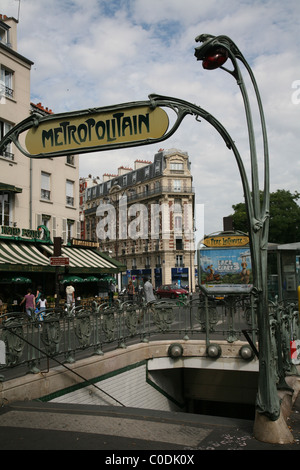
pixel 214 53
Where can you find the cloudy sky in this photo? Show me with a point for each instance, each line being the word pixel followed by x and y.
pixel 95 53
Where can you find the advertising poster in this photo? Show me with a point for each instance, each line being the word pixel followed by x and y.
pixel 225 270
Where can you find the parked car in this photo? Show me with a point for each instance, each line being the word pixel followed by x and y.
pixel 170 291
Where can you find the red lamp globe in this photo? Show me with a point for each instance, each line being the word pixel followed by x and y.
pixel 215 58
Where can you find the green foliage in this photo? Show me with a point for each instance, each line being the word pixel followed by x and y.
pixel 284 217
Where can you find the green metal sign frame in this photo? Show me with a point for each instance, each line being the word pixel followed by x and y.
pixel 59 122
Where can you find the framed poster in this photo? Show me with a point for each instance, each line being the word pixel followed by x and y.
pixel 225 270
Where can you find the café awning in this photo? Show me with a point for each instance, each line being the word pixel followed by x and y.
pixel 85 260
pixel 10 188
pixel 24 255
pixel 21 256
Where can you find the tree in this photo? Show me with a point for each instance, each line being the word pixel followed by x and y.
pixel 284 217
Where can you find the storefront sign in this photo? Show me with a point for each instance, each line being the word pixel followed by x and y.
pixel 84 243
pixel 59 261
pixel 90 131
pixel 223 241
pixel 19 232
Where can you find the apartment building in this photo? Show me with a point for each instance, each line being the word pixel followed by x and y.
pixel 84 183
pixel 33 192
pixel 144 218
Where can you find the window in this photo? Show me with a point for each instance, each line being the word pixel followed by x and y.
pixel 178 223
pixel 179 244
pixel 45 186
pixel 4 36
pixel 179 261
pixel 70 229
pixel 177 185
pixel 4 128
pixel 46 220
pixel 6 80
pixel 5 203
pixel 70 193
pixel 176 166
pixel 71 160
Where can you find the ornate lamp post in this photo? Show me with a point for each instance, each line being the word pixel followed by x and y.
pixel 214 53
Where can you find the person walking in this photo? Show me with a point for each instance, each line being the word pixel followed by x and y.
pixel 148 291
pixel 38 294
pixel 29 300
pixel 111 291
pixel 130 290
pixel 41 305
pixel 70 292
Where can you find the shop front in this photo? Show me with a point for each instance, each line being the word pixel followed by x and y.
pixel 26 261
pixel 180 276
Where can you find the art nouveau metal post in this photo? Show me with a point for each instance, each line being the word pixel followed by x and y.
pixel 214 52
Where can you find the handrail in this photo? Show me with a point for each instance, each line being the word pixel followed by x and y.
pixel 85 330
pixel 87 381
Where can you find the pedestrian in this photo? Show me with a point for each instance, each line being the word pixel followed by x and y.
pixel 70 292
pixel 29 300
pixel 38 294
pixel 130 290
pixel 41 305
pixel 111 291
pixel 148 291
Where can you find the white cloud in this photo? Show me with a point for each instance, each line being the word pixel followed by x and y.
pixel 102 52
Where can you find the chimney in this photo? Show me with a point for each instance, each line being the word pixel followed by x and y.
pixel 228 224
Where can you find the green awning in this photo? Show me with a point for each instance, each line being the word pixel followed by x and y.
pixel 19 256
pixel 85 260
pixel 10 188
pixel 24 254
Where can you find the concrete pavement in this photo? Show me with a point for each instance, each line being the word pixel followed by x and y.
pixel 53 426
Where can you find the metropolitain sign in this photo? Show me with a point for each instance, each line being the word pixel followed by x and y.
pixel 111 127
pixel 93 130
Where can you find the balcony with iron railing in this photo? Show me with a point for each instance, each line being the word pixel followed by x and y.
pixel 7 155
pixel 8 92
pixel 138 196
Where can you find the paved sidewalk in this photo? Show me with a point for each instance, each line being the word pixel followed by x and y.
pixel 45 426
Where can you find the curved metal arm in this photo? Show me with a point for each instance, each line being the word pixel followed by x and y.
pixel 210 41
pixel 13 134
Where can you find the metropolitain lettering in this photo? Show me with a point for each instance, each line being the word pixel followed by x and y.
pixel 90 130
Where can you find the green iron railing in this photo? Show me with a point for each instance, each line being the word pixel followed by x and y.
pixel 71 334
